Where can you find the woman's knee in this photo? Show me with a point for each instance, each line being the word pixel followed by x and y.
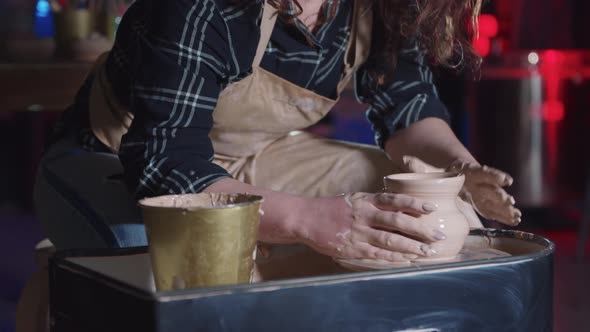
pixel 65 226
pixel 88 208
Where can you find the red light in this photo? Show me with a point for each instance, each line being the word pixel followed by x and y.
pixel 552 57
pixel 553 111
pixel 488 26
pixel 551 67
pixel 482 46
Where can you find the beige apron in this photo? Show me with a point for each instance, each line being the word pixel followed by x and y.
pixel 257 134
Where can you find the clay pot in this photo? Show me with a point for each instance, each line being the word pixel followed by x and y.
pixel 440 189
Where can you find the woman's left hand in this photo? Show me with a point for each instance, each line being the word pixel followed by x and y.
pixel 483 188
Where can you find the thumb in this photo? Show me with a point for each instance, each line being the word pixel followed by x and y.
pixel 415 165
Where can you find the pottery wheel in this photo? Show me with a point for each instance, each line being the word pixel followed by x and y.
pixel 466 254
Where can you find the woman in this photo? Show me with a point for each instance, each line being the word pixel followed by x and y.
pixel 211 95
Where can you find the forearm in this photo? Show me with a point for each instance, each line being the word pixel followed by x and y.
pixel 431 140
pixel 364 225
pixel 286 217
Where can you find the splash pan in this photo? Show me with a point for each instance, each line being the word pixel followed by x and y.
pixel 297 290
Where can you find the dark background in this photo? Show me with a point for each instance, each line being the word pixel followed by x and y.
pixel 36 85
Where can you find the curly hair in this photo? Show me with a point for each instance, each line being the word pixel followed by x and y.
pixel 443 28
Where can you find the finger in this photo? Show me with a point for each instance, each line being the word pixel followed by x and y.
pixel 396 242
pixel 368 251
pixel 516 217
pixel 502 211
pixel 403 203
pixel 484 174
pixel 403 223
pixel 510 216
pixel 492 197
pixel 492 193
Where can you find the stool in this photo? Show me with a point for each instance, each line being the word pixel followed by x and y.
pixel 32 311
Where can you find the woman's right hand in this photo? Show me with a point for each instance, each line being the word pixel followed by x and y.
pixel 370 226
pixel 355 226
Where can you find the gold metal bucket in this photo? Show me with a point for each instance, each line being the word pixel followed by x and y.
pixel 198 240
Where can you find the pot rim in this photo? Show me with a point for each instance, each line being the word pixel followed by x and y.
pixel 425 177
pixel 152 202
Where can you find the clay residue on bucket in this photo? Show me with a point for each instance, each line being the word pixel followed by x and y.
pixel 199 201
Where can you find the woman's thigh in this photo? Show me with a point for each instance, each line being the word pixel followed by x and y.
pixel 308 165
pixel 82 202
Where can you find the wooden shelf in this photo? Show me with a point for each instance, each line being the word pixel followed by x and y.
pixel 47 86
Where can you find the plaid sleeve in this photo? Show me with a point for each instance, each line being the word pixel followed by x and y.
pixel 185 57
pixel 409 97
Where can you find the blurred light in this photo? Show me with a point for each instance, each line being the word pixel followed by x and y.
pixel 35 108
pixel 487 29
pixel 42 9
pixel 43 23
pixel 553 111
pixel 551 70
pixel 533 58
pixel 488 26
pixel 482 46
pixel 552 56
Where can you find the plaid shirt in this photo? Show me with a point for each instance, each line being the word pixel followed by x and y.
pixel 172 58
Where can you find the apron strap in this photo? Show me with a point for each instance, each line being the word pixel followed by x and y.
pixel 267 25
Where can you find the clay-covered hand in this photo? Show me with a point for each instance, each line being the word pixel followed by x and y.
pixel 483 188
pixel 374 226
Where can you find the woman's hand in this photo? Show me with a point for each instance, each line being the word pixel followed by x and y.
pixel 483 188
pixel 354 226
pixel 374 226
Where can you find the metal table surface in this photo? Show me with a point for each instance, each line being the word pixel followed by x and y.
pixel 503 294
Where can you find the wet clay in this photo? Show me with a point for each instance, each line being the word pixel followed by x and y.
pixel 440 189
pixel 198 201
